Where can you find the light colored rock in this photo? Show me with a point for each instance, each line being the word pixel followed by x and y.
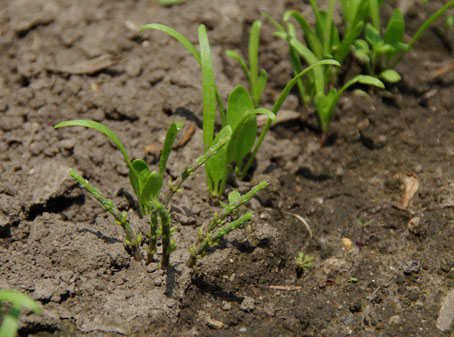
pixel 446 314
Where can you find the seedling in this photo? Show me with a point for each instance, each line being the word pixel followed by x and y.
pixel 363 226
pixel 257 83
pixel 303 262
pixel 147 187
pixel 166 3
pixel 381 53
pixel 239 119
pixel 323 42
pixel 10 319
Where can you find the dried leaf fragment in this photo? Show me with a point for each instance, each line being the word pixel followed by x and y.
pixel 87 66
pixel 411 185
pixel 347 244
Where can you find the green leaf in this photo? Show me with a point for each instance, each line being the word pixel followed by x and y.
pixel 273 21
pixel 101 128
pixel 390 75
pixel 216 167
pixel 234 55
pixel 166 3
pixel 141 172
pixel 325 105
pixel 151 189
pixel 374 10
pixel 361 51
pixel 312 40
pixel 369 80
pixel 261 82
pixel 395 29
pixel 19 300
pixel 346 44
pixel 171 135
pixel 176 35
pixel 254 41
pixel 372 35
pixel 234 196
pixel 209 89
pixel 239 102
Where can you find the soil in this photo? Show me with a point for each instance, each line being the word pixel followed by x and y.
pixel 85 59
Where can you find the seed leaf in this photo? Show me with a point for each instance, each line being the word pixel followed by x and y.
pixel 151 189
pixel 390 75
pixel 239 102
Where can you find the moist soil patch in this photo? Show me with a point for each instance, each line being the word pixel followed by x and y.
pixel 86 60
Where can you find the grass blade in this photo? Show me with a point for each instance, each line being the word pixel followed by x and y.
pixel 312 39
pixel 101 128
pixel 253 51
pixel 208 87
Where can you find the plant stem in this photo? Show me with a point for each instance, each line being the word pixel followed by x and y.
pixel 121 218
pixel 152 237
pixel 219 220
pixel 164 219
pixel 210 240
pixel 190 170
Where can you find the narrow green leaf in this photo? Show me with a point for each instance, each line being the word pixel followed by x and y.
pixel 390 75
pixel 101 128
pixel 208 87
pixel 261 83
pixel 176 35
pixel 216 167
pixel 171 135
pixel 273 21
pixel 347 42
pixel 10 323
pixel 325 105
pixel 151 189
pixel 395 29
pixel 312 40
pixel 166 3
pixel 374 12
pixel 243 139
pixel 239 102
pixel 253 51
pixel 234 55
pixel 372 35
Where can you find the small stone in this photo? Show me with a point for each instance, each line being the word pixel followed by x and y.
pixel 214 324
pixel 394 320
pixel 348 319
pixel 446 313
pixel 248 304
pixel 226 306
pixel 355 307
pixel 347 244
pixel 243 330
pixel 412 267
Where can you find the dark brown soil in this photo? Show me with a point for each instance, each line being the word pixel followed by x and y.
pixel 60 247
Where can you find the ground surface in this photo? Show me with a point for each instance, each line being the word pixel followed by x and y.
pixel 60 247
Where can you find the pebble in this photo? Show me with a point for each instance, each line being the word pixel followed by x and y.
pixel 214 324
pixel 248 304
pixel 226 306
pixel 446 313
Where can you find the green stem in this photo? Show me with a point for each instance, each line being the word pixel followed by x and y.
pixel 210 240
pixel 152 237
pixel 190 170
pixel 121 218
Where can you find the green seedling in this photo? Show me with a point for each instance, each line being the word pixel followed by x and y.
pixel 239 119
pixel 219 226
pixel 321 44
pixel 363 227
pixel 147 184
pixel 381 53
pixel 303 262
pixel 10 318
pixel 257 82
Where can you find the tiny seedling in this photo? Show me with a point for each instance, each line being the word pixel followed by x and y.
pixel 323 42
pixel 147 184
pixel 10 319
pixel 238 121
pixel 363 226
pixel 303 262
pixel 381 53
pixel 257 82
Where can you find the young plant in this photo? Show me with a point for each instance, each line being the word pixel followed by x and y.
pixel 167 3
pixel 381 53
pixel 323 42
pixel 363 227
pixel 257 83
pixel 303 262
pixel 239 119
pixel 219 226
pixel 146 184
pixel 10 319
